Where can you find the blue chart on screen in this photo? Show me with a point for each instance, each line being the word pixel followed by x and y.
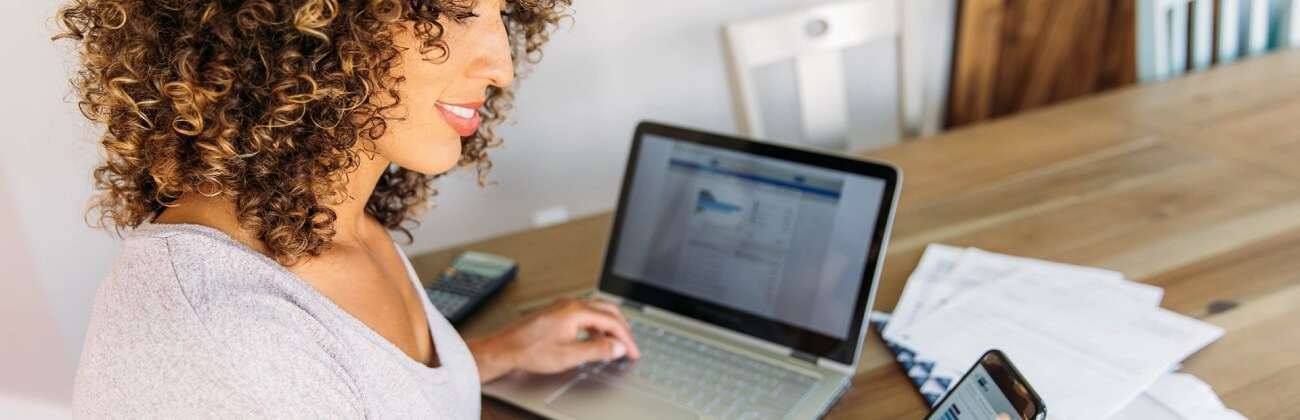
pixel 706 202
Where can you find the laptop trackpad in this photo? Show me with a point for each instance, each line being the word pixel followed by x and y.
pixel 592 398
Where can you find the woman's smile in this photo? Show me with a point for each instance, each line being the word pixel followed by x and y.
pixel 463 118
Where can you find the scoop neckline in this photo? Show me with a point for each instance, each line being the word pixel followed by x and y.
pixel 370 334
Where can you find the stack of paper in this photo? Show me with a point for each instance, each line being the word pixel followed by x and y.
pixel 1088 340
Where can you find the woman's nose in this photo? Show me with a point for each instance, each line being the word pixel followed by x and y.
pixel 494 62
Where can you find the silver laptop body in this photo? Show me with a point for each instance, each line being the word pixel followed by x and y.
pixel 704 355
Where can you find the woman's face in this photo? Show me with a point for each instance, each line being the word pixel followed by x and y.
pixel 441 97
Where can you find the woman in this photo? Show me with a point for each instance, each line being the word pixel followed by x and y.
pixel 260 151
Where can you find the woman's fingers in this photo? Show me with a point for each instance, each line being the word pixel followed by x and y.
pixel 606 324
pixel 597 349
pixel 609 308
pixel 616 312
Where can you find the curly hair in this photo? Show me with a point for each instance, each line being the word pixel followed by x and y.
pixel 262 102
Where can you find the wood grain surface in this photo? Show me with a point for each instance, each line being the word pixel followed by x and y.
pixel 1015 55
pixel 1192 185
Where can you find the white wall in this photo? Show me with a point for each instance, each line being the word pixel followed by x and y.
pixel 44 169
pixel 37 373
pixel 617 62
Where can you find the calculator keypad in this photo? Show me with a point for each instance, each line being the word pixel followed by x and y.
pixel 455 291
pixel 460 281
pixel 447 303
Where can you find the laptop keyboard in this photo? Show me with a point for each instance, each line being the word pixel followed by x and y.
pixel 706 378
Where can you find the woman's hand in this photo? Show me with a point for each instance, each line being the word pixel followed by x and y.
pixel 550 340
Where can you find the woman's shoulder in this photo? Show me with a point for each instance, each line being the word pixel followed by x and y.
pixel 207 241
pixel 194 276
pixel 187 309
pixel 202 273
pixel 191 263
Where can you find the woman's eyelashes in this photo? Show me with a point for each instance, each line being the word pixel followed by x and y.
pixel 507 12
pixel 466 11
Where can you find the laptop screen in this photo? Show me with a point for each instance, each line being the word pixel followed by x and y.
pixel 757 242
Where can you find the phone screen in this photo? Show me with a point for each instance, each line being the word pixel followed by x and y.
pixel 991 390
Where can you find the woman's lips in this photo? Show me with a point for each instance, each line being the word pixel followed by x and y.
pixel 463 118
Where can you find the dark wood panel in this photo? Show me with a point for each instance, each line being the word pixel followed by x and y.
pixel 1015 55
pixel 979 29
pixel 1119 67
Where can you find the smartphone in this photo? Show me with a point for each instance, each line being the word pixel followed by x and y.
pixel 992 390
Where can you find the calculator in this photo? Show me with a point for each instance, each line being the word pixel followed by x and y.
pixel 472 279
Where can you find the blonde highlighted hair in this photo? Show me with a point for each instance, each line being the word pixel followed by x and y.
pixel 262 102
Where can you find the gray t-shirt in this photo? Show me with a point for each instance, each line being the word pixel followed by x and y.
pixel 192 324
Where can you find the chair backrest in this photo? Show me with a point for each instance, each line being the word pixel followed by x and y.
pixel 815 39
pixel 928 34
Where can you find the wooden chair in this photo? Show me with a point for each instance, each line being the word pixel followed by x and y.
pixel 816 40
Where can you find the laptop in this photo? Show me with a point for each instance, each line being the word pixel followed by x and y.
pixel 746 270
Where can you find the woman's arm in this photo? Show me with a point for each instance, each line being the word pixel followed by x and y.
pixel 491 356
pixel 565 334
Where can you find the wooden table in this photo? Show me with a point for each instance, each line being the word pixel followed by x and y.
pixel 1192 185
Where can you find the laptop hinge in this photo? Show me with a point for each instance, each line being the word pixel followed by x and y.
pixel 804 356
pixel 640 307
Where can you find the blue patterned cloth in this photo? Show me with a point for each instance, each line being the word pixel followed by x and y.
pixel 920 369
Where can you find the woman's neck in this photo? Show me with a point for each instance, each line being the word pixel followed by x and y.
pixel 350 213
